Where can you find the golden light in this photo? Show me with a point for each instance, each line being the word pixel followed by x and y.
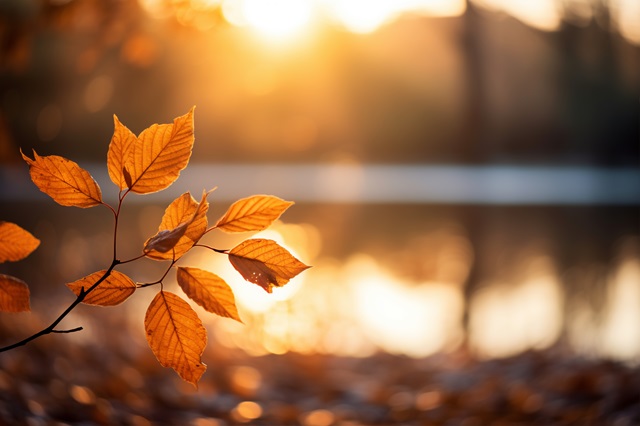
pixel 363 16
pixel 278 19
pixel 509 318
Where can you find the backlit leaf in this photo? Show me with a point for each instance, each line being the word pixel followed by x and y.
pixel 115 289
pixel 253 213
pixel 14 294
pixel 119 150
pixel 183 216
pixel 15 242
pixel 176 335
pixel 209 291
pixel 265 263
pixel 159 154
pixel 64 181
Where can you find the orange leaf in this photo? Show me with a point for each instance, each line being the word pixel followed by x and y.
pixel 14 294
pixel 115 289
pixel 183 224
pixel 119 150
pixel 64 181
pixel 176 335
pixel 253 213
pixel 265 263
pixel 15 242
pixel 209 291
pixel 159 154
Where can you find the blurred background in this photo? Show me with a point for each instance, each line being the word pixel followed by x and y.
pixel 466 178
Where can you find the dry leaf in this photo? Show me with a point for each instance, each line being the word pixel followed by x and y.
pixel 253 213
pixel 64 181
pixel 14 294
pixel 119 150
pixel 265 263
pixel 159 154
pixel 209 291
pixel 15 242
pixel 176 335
pixel 183 216
pixel 115 289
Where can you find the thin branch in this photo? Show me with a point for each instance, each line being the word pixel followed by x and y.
pixel 73 330
pixel 212 248
pixel 52 327
pixel 143 285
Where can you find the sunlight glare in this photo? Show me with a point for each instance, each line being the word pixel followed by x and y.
pixel 628 19
pixel 416 320
pixel 363 16
pixel 507 319
pixel 278 19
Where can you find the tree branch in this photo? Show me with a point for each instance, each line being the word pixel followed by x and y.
pixel 51 328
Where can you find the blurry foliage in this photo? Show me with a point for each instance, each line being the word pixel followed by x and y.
pixel 143 164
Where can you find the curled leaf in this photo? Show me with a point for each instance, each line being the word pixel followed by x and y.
pixel 159 154
pixel 183 224
pixel 119 150
pixel 64 181
pixel 265 263
pixel 15 242
pixel 115 289
pixel 253 213
pixel 209 291
pixel 176 335
pixel 14 294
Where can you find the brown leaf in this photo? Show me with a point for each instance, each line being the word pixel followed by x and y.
pixel 15 242
pixel 176 336
pixel 253 213
pixel 209 291
pixel 14 294
pixel 119 150
pixel 159 154
pixel 64 181
pixel 115 289
pixel 185 219
pixel 265 263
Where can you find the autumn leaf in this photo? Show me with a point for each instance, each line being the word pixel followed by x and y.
pixel 183 224
pixel 15 242
pixel 253 213
pixel 265 263
pixel 159 154
pixel 14 294
pixel 176 335
pixel 119 150
pixel 64 181
pixel 209 291
pixel 115 289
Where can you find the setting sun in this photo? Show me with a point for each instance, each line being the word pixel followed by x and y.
pixel 278 18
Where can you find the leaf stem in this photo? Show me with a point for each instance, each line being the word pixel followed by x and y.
pixel 212 248
pixel 51 328
pixel 173 262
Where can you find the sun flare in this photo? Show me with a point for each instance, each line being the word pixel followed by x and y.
pixel 278 19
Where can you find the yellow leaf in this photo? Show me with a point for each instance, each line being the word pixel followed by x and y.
pixel 115 289
pixel 159 154
pixel 64 181
pixel 14 294
pixel 253 213
pixel 183 216
pixel 209 291
pixel 119 150
pixel 265 263
pixel 176 335
pixel 15 242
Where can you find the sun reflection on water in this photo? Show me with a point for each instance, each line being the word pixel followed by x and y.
pixel 357 306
